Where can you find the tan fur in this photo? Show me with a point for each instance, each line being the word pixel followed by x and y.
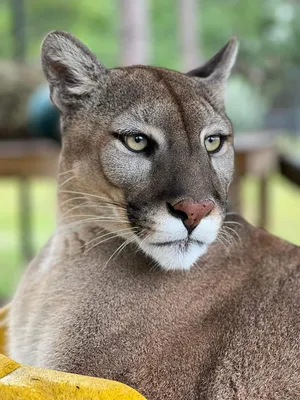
pixel 228 326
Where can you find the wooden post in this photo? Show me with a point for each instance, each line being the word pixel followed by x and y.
pixel 18 29
pixel 189 34
pixel 263 201
pixel 19 48
pixel 134 32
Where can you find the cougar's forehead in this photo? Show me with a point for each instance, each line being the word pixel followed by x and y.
pixel 165 99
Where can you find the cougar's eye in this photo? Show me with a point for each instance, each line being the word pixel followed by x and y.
pixel 214 143
pixel 136 143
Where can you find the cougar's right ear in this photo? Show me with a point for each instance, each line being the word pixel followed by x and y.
pixel 216 71
pixel 71 69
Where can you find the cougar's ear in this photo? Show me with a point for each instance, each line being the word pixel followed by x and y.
pixel 216 71
pixel 71 69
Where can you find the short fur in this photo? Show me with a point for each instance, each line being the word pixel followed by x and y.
pixel 218 315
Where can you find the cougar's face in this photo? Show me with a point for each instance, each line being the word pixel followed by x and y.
pixel 158 147
pixel 170 153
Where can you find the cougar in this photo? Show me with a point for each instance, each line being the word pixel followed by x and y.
pixel 147 279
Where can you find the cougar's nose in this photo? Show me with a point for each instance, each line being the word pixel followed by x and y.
pixel 190 212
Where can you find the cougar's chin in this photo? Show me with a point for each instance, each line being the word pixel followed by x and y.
pixel 180 255
pixel 176 250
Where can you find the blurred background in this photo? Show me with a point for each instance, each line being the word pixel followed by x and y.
pixel 263 101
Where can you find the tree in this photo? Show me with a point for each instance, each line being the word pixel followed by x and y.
pixel 189 34
pixel 134 32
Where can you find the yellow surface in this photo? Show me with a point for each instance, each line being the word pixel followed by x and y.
pixel 19 382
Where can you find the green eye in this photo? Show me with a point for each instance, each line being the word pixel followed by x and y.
pixel 136 143
pixel 213 143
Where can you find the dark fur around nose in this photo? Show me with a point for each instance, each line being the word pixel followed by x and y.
pixel 191 213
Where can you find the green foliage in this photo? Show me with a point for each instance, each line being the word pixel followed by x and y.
pixel 5 31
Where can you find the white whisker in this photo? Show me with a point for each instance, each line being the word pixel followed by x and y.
pixel 120 207
pixel 154 265
pixel 88 194
pixel 233 213
pixel 219 239
pixel 102 241
pixel 65 172
pixel 88 220
pixel 66 181
pixel 95 217
pixel 235 232
pixel 107 234
pixel 72 199
pixel 229 239
pixel 119 249
pixel 233 223
pixel 87 204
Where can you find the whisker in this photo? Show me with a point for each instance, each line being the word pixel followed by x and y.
pixel 87 204
pixel 72 199
pixel 95 217
pixel 65 172
pixel 224 240
pixel 233 213
pixel 233 223
pixel 102 241
pixel 227 237
pixel 235 232
pixel 66 181
pixel 107 234
pixel 146 237
pixel 91 204
pixel 119 249
pixel 219 239
pixel 88 220
pixel 148 228
pixel 225 243
pixel 154 265
pixel 90 195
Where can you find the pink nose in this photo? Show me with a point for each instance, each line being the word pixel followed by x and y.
pixel 191 213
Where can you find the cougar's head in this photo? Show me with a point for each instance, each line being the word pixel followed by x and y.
pixel 147 152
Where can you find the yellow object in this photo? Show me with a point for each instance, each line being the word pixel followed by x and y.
pixel 19 382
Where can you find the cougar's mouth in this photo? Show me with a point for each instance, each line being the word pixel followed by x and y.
pixel 167 240
pixel 182 242
pixel 170 245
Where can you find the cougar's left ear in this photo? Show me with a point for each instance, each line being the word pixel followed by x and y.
pixel 216 71
pixel 72 70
